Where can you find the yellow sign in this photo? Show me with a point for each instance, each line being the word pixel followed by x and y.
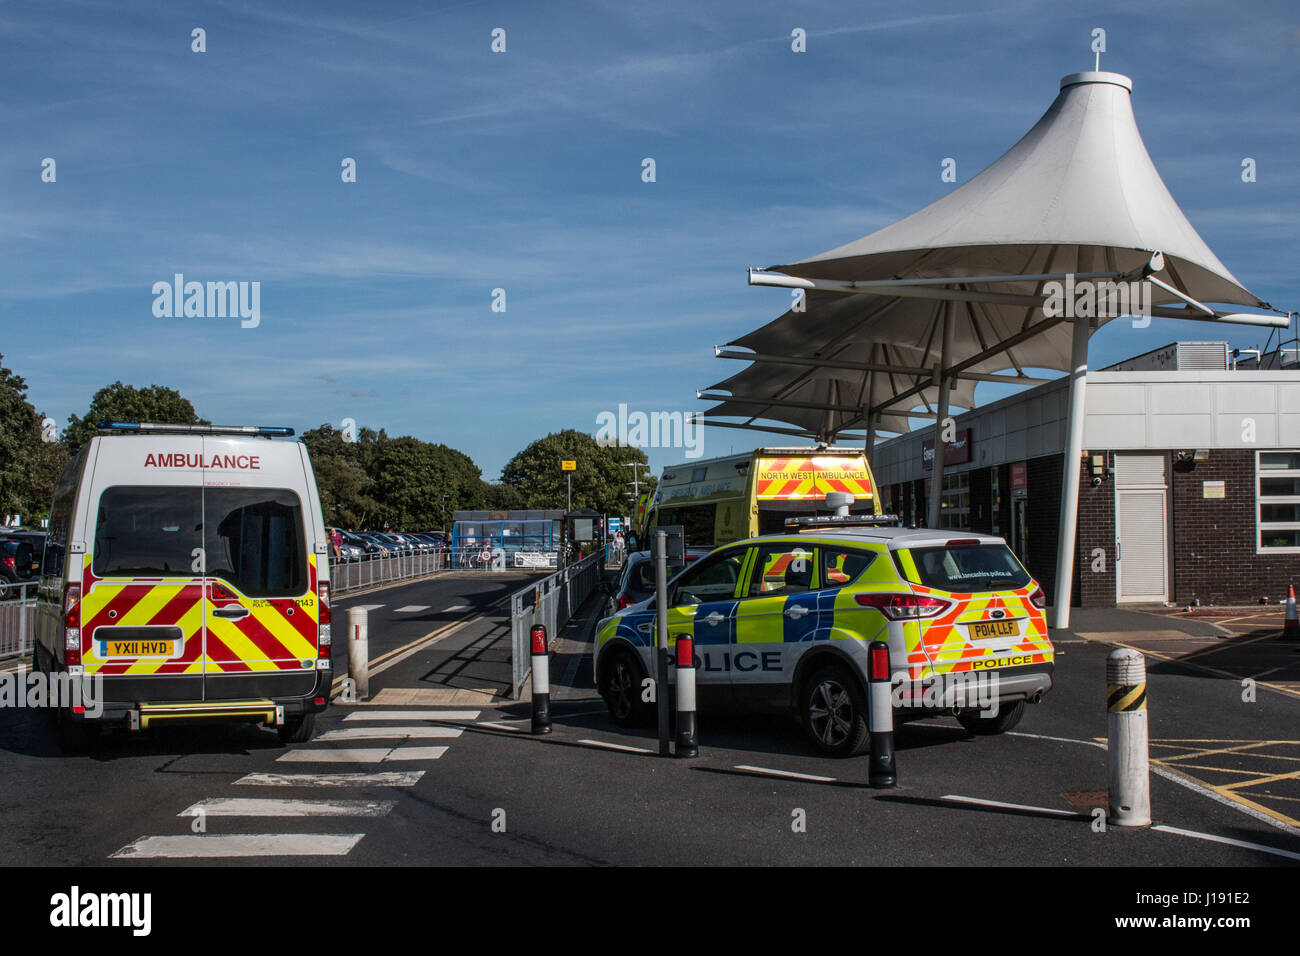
pixel 566 465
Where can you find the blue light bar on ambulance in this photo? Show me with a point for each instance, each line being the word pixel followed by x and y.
pixel 265 431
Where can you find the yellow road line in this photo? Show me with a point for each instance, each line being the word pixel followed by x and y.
pixel 1234 796
pixel 389 658
pixel 1272 778
pixel 1211 670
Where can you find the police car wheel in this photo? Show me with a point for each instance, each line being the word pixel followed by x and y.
pixel 834 712
pixel 1006 718
pixel 297 730
pixel 622 691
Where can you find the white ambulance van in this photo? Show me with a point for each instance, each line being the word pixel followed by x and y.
pixel 186 579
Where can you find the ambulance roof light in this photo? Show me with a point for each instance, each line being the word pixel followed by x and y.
pixel 266 431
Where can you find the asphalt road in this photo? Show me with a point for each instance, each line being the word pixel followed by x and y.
pixel 467 785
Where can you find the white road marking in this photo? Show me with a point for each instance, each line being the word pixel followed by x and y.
pixel 609 746
pixel 1181 781
pixel 389 733
pixel 430 714
pixel 1064 740
pixel 496 726
pixel 363 755
pixel 257 807
pixel 412 608
pixel 454 607
pixel 1227 840
pixel 415 753
pixel 785 773
pixel 405 778
pixel 353 755
pixel 1012 806
pixel 368 607
pixel 240 844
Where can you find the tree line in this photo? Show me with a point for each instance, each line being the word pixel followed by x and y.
pixel 367 480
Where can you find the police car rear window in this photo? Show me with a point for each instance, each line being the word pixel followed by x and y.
pixel 969 568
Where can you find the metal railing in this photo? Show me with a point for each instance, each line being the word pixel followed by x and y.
pixel 549 602
pixel 373 570
pixel 17 618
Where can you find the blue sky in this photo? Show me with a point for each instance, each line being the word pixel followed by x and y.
pixel 522 171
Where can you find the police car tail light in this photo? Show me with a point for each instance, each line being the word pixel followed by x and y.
pixel 624 601
pixel 903 607
pixel 323 621
pixel 1038 599
pixel 72 623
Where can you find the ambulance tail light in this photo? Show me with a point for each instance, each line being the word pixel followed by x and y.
pixel 323 639
pixel 72 623
pixel 904 607
pixel 1038 599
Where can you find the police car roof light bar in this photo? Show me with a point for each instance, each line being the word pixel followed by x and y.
pixel 267 431
pixel 842 521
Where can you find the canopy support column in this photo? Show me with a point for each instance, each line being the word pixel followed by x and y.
pixel 1065 547
pixel 868 381
pixel 936 472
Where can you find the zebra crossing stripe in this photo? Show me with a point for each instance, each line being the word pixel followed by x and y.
pixel 415 753
pixel 412 608
pixel 389 733
pixel 431 714
pixel 239 844
pixel 363 754
pixel 392 778
pixel 368 607
pixel 257 807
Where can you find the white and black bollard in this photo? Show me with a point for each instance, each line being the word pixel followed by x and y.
pixel 687 742
pixel 1127 754
pixel 359 652
pixel 541 682
pixel 880 713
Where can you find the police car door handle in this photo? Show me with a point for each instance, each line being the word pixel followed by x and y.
pixel 796 611
pixel 715 618
pixel 231 612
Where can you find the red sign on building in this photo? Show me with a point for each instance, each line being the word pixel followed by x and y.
pixel 958 451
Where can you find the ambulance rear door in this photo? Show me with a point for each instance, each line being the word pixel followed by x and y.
pixel 260 584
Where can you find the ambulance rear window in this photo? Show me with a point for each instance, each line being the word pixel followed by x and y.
pixel 255 540
pixel 147 532
pixel 969 568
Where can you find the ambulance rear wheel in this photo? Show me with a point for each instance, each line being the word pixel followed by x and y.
pixel 297 730
pixel 834 712
pixel 1006 718
pixel 74 735
pixel 622 689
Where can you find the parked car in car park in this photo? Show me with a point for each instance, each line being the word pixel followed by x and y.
pixel 784 622
pixel 17 561
pixel 636 583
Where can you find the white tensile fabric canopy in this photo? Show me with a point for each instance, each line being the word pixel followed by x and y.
pixel 917 312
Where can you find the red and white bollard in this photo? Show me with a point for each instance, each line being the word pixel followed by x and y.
pixel 880 710
pixel 687 744
pixel 359 652
pixel 541 682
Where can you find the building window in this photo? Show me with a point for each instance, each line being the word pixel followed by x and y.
pixel 955 502
pixel 1277 501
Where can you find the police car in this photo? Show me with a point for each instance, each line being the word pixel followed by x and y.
pixel 783 622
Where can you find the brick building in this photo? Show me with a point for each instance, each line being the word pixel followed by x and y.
pixel 1190 487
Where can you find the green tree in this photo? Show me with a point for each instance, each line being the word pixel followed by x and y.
pixel 502 497
pixel 599 482
pixel 128 403
pixel 418 484
pixel 20 433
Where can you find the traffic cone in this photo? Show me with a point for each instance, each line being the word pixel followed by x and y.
pixel 1291 629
